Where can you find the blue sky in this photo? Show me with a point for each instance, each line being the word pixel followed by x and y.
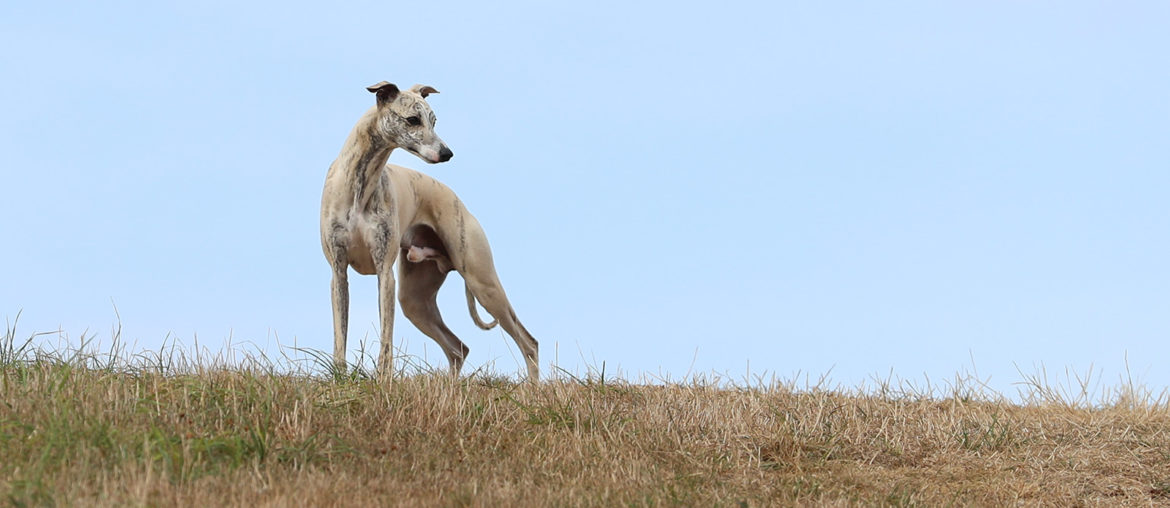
pixel 668 188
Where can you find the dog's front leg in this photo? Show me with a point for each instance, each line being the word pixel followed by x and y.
pixel 339 293
pixel 384 256
pixel 386 311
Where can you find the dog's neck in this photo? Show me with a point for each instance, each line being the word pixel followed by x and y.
pixel 363 159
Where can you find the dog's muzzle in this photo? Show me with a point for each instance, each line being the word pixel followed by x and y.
pixel 445 154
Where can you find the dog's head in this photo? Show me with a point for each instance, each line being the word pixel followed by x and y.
pixel 405 120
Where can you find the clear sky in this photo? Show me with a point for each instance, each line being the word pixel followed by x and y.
pixel 802 187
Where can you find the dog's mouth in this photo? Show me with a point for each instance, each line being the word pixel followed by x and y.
pixel 429 160
pixel 432 156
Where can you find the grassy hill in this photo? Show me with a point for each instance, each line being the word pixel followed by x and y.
pixel 163 430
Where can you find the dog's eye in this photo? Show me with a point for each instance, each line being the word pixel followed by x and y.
pixel 414 121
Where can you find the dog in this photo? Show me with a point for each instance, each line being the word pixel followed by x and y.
pixel 372 213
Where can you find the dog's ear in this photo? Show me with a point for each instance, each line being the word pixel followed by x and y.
pixel 386 92
pixel 424 90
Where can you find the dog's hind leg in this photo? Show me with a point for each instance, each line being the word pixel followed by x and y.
pixel 418 287
pixel 485 285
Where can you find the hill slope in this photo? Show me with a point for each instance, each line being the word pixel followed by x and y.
pixel 77 432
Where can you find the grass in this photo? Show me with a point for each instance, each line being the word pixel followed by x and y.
pixel 84 428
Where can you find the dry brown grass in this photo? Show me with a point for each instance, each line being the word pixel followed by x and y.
pixel 88 430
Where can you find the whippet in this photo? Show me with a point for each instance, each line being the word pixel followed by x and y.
pixel 371 212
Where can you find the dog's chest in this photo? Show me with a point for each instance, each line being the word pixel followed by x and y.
pixel 368 237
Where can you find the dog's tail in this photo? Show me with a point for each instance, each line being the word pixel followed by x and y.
pixel 474 313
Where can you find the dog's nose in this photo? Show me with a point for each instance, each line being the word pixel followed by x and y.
pixel 445 154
